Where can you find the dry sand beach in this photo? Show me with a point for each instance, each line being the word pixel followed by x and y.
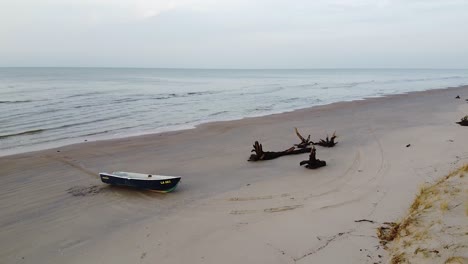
pixel 54 209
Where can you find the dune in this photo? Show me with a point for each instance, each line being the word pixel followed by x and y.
pixel 435 229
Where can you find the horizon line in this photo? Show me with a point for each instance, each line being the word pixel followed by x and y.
pixel 191 68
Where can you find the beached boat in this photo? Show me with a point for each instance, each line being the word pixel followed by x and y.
pixel 158 183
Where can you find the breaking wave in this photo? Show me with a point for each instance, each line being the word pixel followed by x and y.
pixel 29 132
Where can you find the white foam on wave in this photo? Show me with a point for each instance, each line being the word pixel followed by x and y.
pixel 95 104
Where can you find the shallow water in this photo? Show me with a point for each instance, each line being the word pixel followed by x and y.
pixel 46 107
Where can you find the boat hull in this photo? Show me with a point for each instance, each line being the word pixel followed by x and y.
pixel 163 185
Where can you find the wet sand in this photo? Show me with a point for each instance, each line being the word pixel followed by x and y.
pixel 54 209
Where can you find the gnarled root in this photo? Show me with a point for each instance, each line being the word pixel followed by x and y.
pixel 328 142
pixel 304 142
pixel 269 155
pixel 463 121
pixel 313 162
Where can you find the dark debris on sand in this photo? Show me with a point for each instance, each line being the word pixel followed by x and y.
pixel 269 155
pixel 85 190
pixel 304 142
pixel 313 162
pixel 463 121
pixel 327 142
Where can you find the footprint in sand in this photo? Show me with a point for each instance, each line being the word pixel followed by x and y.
pixel 241 199
pixel 241 212
pixel 283 208
pixel 268 210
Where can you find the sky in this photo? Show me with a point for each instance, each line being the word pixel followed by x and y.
pixel 244 34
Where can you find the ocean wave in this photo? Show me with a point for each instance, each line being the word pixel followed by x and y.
pixel 165 81
pixel 264 91
pixel 11 117
pixel 290 100
pixel 16 102
pixel 29 118
pixel 97 133
pixel 306 85
pixel 106 131
pixel 151 100
pixel 422 79
pixel 126 100
pixel 259 85
pixel 83 106
pixel 264 108
pixel 29 132
pixel 163 96
pixel 353 84
pixel 87 122
pixel 392 81
pixel 218 113
pixel 35 131
pixel 188 94
pixel 83 95
pixel 200 93
pixel 344 85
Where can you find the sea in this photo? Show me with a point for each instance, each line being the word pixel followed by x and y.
pixel 42 108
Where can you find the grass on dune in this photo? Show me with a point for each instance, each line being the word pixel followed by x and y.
pixel 409 232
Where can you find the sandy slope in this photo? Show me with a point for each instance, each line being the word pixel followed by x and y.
pixel 226 210
pixel 435 229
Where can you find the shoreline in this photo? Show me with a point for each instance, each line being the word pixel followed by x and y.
pixel 79 141
pixel 227 210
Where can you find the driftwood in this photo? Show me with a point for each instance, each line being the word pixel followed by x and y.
pixel 328 142
pixel 313 162
pixel 304 142
pixel 463 121
pixel 269 155
pixel 302 147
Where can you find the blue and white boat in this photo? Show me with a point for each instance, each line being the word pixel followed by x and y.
pixel 158 183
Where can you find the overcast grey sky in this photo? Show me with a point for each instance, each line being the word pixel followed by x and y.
pixel 235 34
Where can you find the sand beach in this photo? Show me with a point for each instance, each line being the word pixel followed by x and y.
pixel 54 209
